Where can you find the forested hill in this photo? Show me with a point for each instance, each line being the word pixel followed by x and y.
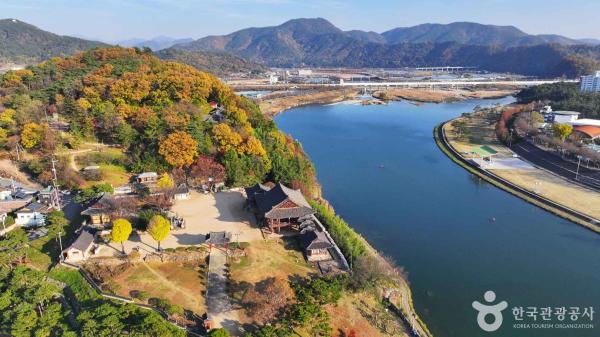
pixel 158 111
pixel 217 63
pixel 563 96
pixel 21 42
pixel 317 42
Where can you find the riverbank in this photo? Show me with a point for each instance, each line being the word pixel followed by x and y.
pixel 274 106
pixel 441 95
pixel 534 185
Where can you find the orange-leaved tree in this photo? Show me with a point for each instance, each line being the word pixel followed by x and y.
pixel 179 149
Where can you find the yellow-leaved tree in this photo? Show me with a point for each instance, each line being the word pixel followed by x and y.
pixel 159 228
pixel 562 131
pixel 227 137
pixel 254 147
pixel 165 181
pixel 120 232
pixel 32 135
pixel 179 149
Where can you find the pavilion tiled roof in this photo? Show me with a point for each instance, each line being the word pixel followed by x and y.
pixel 272 203
pixel 314 239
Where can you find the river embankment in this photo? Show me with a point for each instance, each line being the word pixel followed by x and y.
pixel 533 184
pixel 422 95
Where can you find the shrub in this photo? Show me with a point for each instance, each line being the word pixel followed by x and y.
pixel 140 295
pixel 351 244
pixel 220 332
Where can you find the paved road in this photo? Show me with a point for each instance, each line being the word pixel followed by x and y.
pixel 219 307
pixel 557 165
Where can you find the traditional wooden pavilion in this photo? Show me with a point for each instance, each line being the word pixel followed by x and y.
pixel 279 206
pixel 99 210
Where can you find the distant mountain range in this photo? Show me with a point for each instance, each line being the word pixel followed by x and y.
pixel 156 43
pixel 21 42
pixel 473 34
pixel 218 63
pixel 317 42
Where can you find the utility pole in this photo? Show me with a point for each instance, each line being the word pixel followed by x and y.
pixel 60 245
pixel 55 199
pixel 577 172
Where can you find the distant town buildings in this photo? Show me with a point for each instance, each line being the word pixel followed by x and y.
pixel 591 83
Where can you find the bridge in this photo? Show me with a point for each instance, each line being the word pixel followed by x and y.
pixel 459 83
pixel 444 68
pixel 408 84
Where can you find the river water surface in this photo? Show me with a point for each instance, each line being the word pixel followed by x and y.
pixel 456 236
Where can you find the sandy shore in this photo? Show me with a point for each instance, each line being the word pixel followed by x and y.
pixel 274 106
pixel 441 95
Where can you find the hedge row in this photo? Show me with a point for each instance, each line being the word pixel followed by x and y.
pixel 350 242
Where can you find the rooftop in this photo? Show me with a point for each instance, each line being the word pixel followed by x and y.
pixel 147 175
pixel 568 113
pixel 268 203
pixel 589 130
pixel 83 242
pixel 586 121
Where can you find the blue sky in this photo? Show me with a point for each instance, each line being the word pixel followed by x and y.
pixel 112 20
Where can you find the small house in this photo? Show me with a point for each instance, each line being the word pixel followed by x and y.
pixel 46 196
pixel 32 215
pixel 182 192
pixel 147 178
pixel 123 190
pixel 316 246
pixel 5 194
pixel 82 248
pixel 218 238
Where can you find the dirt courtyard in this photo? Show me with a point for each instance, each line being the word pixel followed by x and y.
pixel 203 213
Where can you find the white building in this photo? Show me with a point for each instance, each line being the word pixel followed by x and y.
pixel 565 117
pixel 5 194
pixel 273 79
pixel 304 72
pixel 591 83
pixel 32 215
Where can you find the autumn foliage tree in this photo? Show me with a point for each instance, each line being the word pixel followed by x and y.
pixel 120 232
pixel 206 167
pixel 159 228
pixel 266 299
pixel 32 135
pixel 179 149
pixel 227 138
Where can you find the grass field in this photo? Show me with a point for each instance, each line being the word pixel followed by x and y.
pixel 271 258
pixel 182 285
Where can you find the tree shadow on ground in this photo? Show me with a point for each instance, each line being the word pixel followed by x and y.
pixel 231 206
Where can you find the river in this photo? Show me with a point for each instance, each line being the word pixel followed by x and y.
pixel 456 236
